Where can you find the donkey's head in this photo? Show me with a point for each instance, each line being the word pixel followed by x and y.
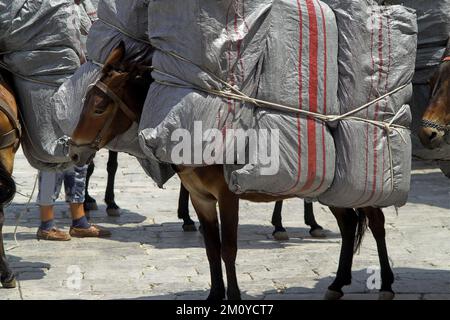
pixel 436 120
pixel 112 104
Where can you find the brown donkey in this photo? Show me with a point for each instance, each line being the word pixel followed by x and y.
pixel 117 100
pixel 10 132
pixel 436 119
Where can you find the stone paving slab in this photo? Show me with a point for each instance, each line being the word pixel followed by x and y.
pixel 149 257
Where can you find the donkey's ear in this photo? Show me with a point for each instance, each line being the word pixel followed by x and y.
pixel 116 56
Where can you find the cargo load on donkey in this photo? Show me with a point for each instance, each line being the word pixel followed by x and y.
pixel 40 45
pixel 246 75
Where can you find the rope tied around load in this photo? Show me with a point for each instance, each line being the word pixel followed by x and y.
pixel 232 92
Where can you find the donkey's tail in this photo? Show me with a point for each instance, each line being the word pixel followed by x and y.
pixel 360 229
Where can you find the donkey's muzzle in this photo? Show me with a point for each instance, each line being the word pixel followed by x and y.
pixel 81 155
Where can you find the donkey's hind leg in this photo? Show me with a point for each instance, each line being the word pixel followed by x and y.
pixel 376 225
pixel 112 208
pixel 7 277
pixel 347 220
pixel 280 232
pixel 183 210
pixel 315 230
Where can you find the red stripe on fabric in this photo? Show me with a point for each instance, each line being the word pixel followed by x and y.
pixel 325 66
pixel 313 93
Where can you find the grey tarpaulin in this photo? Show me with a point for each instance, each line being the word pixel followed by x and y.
pixel 117 21
pixel 433 18
pixel 377 49
pixel 223 37
pixel 300 70
pixel 42 43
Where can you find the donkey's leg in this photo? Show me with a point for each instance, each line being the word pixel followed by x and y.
pixel 7 277
pixel 280 232
pixel 112 208
pixel 183 210
pixel 207 215
pixel 347 220
pixel 89 202
pixel 316 230
pixel 229 218
pixel 376 225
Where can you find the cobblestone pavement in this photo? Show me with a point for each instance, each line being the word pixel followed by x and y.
pixel 149 257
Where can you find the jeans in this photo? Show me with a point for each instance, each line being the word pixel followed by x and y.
pixel 50 184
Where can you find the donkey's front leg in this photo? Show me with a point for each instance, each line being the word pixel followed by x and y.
pixel 207 215
pixel 7 277
pixel 229 218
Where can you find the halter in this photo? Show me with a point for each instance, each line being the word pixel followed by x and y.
pixel 118 104
pixel 10 138
pixel 432 124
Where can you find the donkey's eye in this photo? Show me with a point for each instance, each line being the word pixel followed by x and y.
pixel 99 111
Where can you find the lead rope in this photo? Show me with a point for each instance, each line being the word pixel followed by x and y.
pixel 30 197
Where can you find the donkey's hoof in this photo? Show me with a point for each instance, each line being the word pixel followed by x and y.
pixel 9 282
pixel 386 295
pixel 333 295
pixel 189 227
pixel 90 206
pixel 281 235
pixel 317 233
pixel 113 212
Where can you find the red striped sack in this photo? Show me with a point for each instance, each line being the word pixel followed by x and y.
pixel 377 49
pixel 300 71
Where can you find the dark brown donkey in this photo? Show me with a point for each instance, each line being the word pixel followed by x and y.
pixel 117 100
pixel 10 132
pixel 436 119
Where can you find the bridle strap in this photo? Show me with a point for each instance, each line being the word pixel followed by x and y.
pixel 128 112
pixel 12 137
pixel 434 125
pixel 118 104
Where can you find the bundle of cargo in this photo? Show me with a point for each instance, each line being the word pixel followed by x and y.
pixel 201 45
pixel 116 21
pixel 433 19
pixel 377 47
pixel 300 70
pixel 40 45
pixel 231 68
pixel 87 14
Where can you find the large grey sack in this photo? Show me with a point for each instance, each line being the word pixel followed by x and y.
pixel 377 49
pixel 300 70
pixel 42 43
pixel 115 21
pixel 220 38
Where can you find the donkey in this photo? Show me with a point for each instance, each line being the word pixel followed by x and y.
pixel 435 128
pixel 117 100
pixel 10 133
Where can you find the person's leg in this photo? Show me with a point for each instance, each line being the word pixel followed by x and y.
pixel 49 189
pixel 76 181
